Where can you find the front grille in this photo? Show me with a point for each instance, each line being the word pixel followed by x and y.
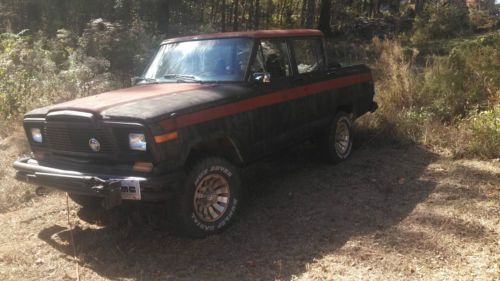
pixel 75 138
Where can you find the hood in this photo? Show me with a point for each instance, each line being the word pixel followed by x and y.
pixel 146 102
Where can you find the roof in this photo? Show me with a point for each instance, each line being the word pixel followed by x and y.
pixel 272 33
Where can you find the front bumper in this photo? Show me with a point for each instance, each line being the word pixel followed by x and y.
pixel 155 188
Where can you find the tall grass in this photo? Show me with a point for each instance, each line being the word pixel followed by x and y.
pixel 451 102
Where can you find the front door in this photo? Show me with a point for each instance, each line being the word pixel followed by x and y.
pixel 270 121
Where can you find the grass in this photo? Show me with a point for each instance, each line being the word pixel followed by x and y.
pixel 426 217
pixel 450 103
pixel 401 208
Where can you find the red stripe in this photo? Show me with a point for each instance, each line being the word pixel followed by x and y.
pixel 261 101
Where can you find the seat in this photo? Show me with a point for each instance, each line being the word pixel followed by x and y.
pixel 274 67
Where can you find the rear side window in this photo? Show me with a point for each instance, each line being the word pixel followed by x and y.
pixel 308 55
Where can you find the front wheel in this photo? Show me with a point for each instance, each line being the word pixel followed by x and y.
pixel 211 198
pixel 337 140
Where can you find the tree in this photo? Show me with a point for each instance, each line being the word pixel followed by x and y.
pixel 223 16
pixel 324 17
pixel 419 6
pixel 235 15
pixel 311 10
pixel 256 14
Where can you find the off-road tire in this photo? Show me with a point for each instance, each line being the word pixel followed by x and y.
pixel 336 142
pixel 210 180
pixel 86 201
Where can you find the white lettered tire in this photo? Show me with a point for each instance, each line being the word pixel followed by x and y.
pixel 337 140
pixel 210 199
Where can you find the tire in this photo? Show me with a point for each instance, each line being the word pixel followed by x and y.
pixel 211 198
pixel 336 143
pixel 86 201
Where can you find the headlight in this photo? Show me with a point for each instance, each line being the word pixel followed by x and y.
pixel 36 135
pixel 137 141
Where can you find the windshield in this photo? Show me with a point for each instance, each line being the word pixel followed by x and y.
pixel 203 61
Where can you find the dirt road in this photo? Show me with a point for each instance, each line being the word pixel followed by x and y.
pixel 385 214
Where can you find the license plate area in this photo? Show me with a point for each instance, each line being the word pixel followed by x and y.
pixel 130 189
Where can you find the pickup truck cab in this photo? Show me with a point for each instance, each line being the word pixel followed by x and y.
pixel 204 107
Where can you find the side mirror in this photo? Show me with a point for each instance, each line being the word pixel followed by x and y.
pixel 134 80
pixel 261 77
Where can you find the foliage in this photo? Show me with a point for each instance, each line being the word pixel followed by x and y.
pixel 26 71
pixel 439 90
pixel 453 102
pixel 36 70
pixel 467 77
pixel 484 19
pixel 485 132
pixel 441 19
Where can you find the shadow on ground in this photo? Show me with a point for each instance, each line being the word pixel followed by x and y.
pixel 299 210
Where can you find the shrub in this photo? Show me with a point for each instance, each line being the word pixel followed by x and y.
pixel 485 128
pixel 441 19
pixel 27 74
pixel 465 79
pixel 453 102
pixel 36 70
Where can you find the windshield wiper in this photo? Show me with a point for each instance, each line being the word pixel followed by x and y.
pixel 181 77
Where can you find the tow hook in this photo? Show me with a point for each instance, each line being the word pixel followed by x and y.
pixel 111 189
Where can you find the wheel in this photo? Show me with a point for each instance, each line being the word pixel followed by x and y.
pixel 211 198
pixel 337 140
pixel 86 201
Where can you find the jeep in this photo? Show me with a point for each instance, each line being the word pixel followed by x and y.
pixel 206 106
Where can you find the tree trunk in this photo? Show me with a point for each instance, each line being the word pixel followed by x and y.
pixel 325 17
pixel 311 9
pixel 256 14
pixel 250 15
pixel 269 11
pixel 223 16
pixel 376 8
pixel 164 16
pixel 419 6
pixel 395 6
pixel 235 15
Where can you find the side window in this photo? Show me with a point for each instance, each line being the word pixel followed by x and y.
pixel 272 57
pixel 308 55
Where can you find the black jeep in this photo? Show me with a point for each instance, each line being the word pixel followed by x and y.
pixel 205 105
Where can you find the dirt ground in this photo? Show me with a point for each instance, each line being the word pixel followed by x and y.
pixel 388 213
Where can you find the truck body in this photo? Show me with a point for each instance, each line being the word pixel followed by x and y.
pixel 218 100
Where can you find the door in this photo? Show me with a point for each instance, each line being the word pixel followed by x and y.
pixel 272 115
pixel 310 70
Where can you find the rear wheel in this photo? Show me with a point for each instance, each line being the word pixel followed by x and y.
pixel 211 198
pixel 336 143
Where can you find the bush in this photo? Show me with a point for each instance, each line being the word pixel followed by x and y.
pixel 467 78
pixel 27 74
pixel 453 102
pixel 441 19
pixel 36 70
pixel 485 132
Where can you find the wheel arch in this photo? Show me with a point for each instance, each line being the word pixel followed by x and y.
pixel 348 108
pixel 220 146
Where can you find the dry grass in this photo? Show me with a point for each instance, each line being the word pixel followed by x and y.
pixel 386 214
pixel 13 144
pixel 449 103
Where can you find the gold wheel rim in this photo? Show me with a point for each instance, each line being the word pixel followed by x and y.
pixel 211 198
